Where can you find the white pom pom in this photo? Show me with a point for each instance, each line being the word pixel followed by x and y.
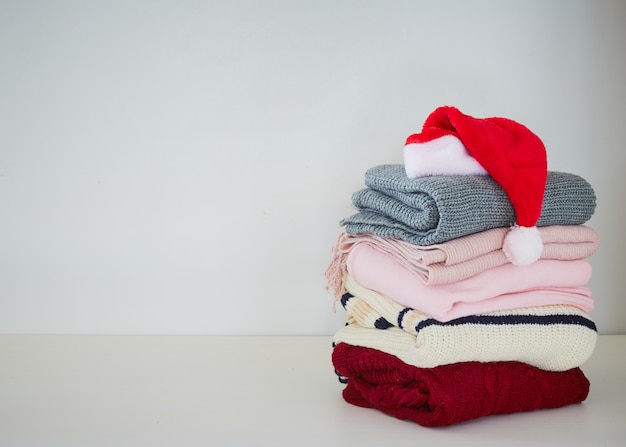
pixel 523 245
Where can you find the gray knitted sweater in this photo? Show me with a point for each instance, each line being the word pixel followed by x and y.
pixel 431 210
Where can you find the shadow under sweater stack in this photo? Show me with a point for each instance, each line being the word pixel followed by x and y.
pixel 463 276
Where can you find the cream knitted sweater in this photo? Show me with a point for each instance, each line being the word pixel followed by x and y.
pixel 554 338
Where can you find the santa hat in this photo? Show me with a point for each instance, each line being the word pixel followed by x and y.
pixel 452 143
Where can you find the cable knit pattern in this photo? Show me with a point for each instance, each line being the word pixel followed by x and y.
pixel 451 394
pixel 554 338
pixel 431 210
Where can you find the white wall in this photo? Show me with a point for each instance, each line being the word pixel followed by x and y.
pixel 181 166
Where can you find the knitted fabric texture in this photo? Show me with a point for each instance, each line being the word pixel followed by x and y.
pixel 459 258
pixel 544 282
pixel 454 393
pixel 554 338
pixel 431 210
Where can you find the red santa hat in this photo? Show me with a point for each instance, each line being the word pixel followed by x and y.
pixel 452 143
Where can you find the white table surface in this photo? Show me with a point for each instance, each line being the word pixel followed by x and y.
pixel 181 391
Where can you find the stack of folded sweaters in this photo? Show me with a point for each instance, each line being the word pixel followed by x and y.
pixel 448 317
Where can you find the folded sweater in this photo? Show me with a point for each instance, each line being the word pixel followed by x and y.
pixel 454 393
pixel 504 287
pixel 462 257
pixel 431 210
pixel 554 338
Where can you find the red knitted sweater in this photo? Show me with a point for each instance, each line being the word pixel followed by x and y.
pixel 451 393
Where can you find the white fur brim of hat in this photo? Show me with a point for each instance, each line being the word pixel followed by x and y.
pixel 445 155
